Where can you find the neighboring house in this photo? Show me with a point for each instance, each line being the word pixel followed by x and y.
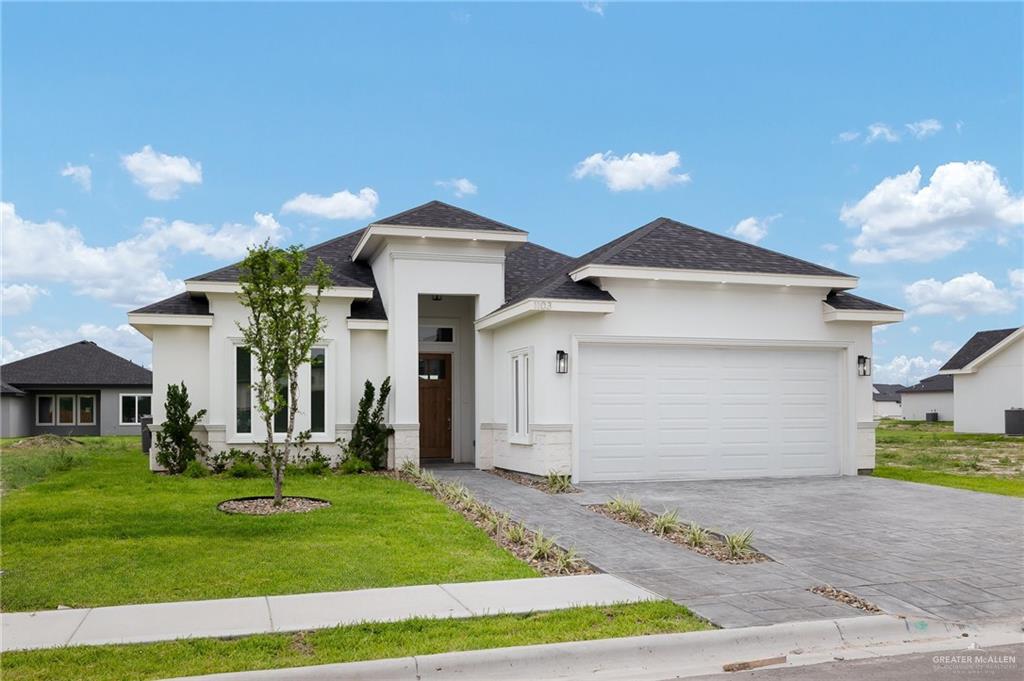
pixel 932 394
pixel 79 389
pixel 886 398
pixel 988 378
pixel 669 353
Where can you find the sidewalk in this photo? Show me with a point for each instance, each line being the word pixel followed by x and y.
pixel 269 614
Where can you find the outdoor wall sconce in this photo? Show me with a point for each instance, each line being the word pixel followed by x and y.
pixel 863 365
pixel 561 362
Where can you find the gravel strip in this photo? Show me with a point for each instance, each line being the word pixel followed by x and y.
pixel 265 505
pixel 844 597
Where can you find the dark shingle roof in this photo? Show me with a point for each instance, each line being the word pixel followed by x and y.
pixel 939 383
pixel 670 244
pixel 441 214
pixel 841 300
pixel 7 389
pixel 887 392
pixel 81 363
pixel 183 303
pixel 978 345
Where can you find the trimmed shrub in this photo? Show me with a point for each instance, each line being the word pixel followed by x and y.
pixel 175 445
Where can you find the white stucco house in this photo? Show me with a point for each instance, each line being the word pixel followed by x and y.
pixel 988 378
pixel 669 353
pixel 887 401
pixel 932 394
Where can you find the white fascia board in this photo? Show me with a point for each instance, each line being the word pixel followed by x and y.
pixel 712 277
pixel 831 314
pixel 377 231
pixel 195 286
pixel 534 305
pixel 144 322
pixel 974 365
pixel 367 324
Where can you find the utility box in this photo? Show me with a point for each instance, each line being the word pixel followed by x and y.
pixel 931 416
pixel 1015 421
pixel 147 434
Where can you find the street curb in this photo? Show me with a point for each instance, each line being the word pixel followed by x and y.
pixel 661 656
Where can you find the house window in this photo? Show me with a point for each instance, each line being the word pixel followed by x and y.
pixel 431 333
pixel 44 410
pixel 281 417
pixel 317 390
pixel 243 390
pixel 86 410
pixel 519 416
pixel 65 410
pixel 134 408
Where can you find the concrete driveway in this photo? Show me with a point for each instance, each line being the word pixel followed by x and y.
pixel 914 550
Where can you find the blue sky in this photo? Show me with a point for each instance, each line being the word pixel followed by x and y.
pixel 147 143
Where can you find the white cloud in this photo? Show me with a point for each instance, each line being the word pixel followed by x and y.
pixel 944 349
pixel 881 131
pixel 847 136
pixel 460 186
pixel 830 248
pixel 343 205
pixel 633 171
pixel 129 272
pixel 905 370
pixel 924 128
pixel 915 329
pixel 901 220
pixel 753 229
pixel 959 127
pixel 594 7
pixel 160 174
pixel 229 241
pixel 122 340
pixel 1016 278
pixel 80 175
pixel 18 298
pixel 969 293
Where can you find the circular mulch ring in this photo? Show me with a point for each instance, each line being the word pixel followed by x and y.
pixel 265 505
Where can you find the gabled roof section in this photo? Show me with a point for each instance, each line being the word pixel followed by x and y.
pixel 444 216
pixel 183 303
pixel 533 271
pixel 887 392
pixel 933 384
pixel 82 363
pixel 841 300
pixel 979 344
pixel 8 389
pixel 668 244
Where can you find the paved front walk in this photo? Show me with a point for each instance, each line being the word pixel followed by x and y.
pixel 911 549
pixel 260 615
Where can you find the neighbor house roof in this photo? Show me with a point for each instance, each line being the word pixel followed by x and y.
pixel 887 392
pixel 532 271
pixel 443 215
pixel 978 345
pixel 81 363
pixel 933 384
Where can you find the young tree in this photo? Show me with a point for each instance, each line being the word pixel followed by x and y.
pixel 175 445
pixel 283 297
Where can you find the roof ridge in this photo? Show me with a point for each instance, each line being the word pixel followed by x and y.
pixel 623 241
pixel 436 202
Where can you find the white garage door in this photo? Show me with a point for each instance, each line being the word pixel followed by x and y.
pixel 678 412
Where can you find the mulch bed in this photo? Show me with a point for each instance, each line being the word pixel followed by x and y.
pixel 530 481
pixel 46 442
pixel 715 548
pixel 845 597
pixel 265 505
pixel 478 512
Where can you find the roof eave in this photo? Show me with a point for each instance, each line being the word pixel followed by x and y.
pixel 197 286
pixel 376 232
pixel 712 276
pixel 530 306
pixel 876 317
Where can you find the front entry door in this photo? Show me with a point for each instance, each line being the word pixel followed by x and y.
pixel 435 406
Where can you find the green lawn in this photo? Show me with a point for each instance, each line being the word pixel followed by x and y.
pixel 932 453
pixel 346 644
pixel 106 531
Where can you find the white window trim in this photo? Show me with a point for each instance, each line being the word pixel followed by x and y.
pixel 74 411
pixel 53 411
pixel 524 388
pixel 78 410
pixel 120 407
pixel 309 389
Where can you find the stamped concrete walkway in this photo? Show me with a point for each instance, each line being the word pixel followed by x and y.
pixel 910 549
pixel 260 615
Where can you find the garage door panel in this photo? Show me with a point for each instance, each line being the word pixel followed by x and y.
pixel 689 412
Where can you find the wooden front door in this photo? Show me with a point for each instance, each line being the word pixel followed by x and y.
pixel 435 406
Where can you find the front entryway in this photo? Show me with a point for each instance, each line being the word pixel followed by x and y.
pixel 435 376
